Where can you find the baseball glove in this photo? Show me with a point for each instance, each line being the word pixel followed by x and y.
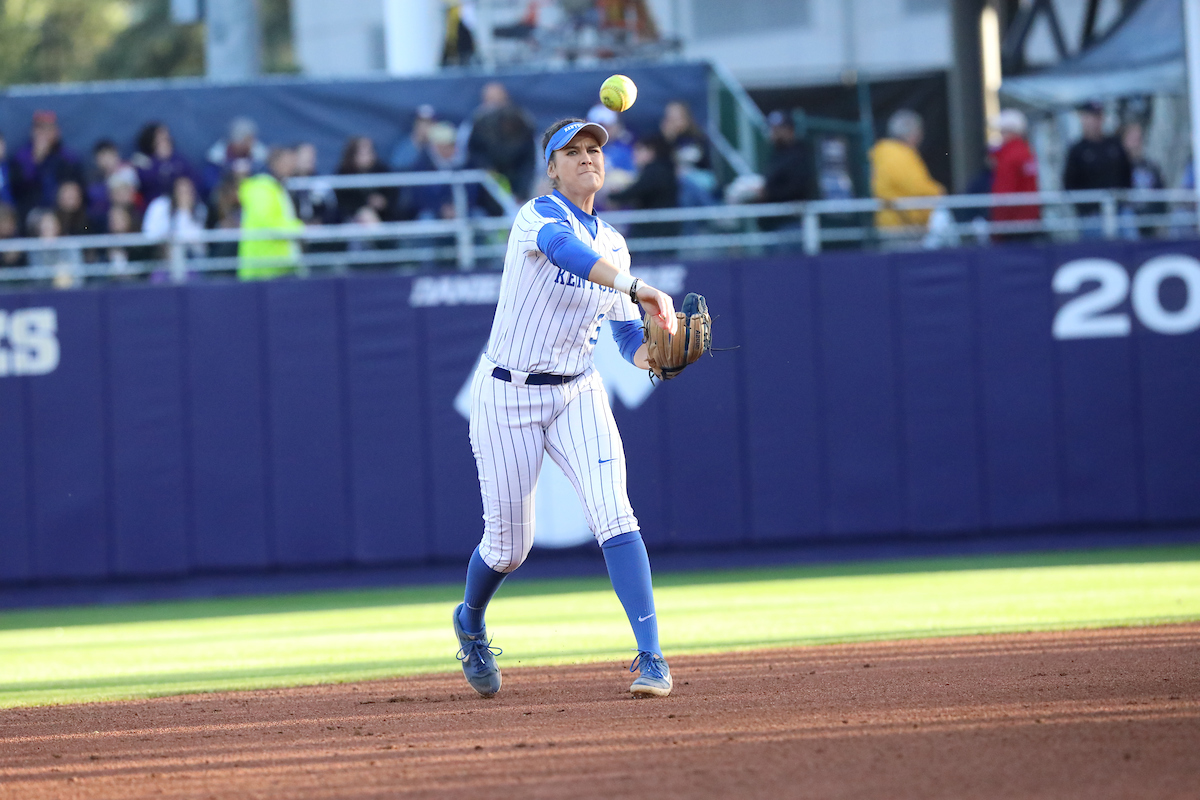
pixel 668 354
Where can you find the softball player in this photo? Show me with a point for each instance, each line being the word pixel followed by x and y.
pixel 536 392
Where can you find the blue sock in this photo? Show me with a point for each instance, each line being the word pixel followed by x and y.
pixel 482 583
pixel 629 571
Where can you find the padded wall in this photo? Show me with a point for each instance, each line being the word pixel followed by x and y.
pixel 313 424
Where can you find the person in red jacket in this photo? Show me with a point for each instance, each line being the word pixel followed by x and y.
pixel 1016 171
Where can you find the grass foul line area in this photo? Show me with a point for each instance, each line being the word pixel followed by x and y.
pixel 117 652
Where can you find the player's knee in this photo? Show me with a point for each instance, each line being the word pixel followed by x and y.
pixel 506 559
pixel 615 525
pixel 509 563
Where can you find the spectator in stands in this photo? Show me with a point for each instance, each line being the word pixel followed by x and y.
pixel 158 163
pixel 897 170
pixel 359 158
pixel 178 216
pixel 1016 171
pixel 620 169
pixel 224 213
pixel 10 228
pixel 687 140
pixel 1144 174
pixel 266 205
pixel 690 148
pixel 68 206
pixel 121 220
pixel 5 173
pixel 106 160
pixel 501 139
pixel 1095 162
pixel 65 263
pixel 316 205
pixel 789 173
pixel 367 218
pixel 980 183
pixel 834 182
pixel 629 21
pixel 458 46
pixel 618 151
pixel 408 150
pixel 123 190
pixel 437 201
pixel 657 185
pixel 240 153
pixel 833 173
pixel 42 164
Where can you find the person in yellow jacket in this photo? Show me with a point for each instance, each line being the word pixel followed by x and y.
pixel 897 170
pixel 266 205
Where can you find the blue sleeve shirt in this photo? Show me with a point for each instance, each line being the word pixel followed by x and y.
pixel 628 336
pixel 564 249
pixel 559 242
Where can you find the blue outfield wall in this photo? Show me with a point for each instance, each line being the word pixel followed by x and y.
pixel 158 432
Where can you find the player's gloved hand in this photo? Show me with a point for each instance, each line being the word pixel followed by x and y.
pixel 668 352
pixel 659 306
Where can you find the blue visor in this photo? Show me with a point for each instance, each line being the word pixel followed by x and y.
pixel 567 132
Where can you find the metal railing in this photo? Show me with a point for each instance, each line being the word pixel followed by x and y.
pixel 737 129
pixel 468 241
pixel 457 180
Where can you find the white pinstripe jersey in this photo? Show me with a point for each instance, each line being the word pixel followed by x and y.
pixel 548 320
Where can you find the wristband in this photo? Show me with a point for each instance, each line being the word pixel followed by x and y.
pixel 623 282
pixel 633 291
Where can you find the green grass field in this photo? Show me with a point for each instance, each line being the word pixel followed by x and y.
pixel 129 651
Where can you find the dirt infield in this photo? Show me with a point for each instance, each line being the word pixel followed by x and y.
pixel 1109 713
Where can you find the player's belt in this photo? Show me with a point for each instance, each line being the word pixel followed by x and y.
pixel 533 378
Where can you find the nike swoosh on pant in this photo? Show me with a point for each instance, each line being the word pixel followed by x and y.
pixel 643 619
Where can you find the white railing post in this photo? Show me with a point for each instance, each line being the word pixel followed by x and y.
pixel 1108 216
pixel 464 235
pixel 177 260
pixel 812 232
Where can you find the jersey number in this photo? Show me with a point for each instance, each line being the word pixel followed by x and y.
pixel 596 331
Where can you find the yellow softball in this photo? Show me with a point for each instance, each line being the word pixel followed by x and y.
pixel 618 93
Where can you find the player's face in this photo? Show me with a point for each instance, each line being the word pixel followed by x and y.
pixel 579 167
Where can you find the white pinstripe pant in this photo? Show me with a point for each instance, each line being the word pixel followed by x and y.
pixel 512 427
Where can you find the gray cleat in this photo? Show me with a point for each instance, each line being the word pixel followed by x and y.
pixel 655 677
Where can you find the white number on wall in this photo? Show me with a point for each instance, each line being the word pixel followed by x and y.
pixel 1147 304
pixel 28 342
pixel 1085 317
pixel 1091 315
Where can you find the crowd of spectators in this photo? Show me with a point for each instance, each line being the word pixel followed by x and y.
pixel 47 191
pixel 1098 160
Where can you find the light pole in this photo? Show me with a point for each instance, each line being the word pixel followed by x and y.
pixel 967 126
